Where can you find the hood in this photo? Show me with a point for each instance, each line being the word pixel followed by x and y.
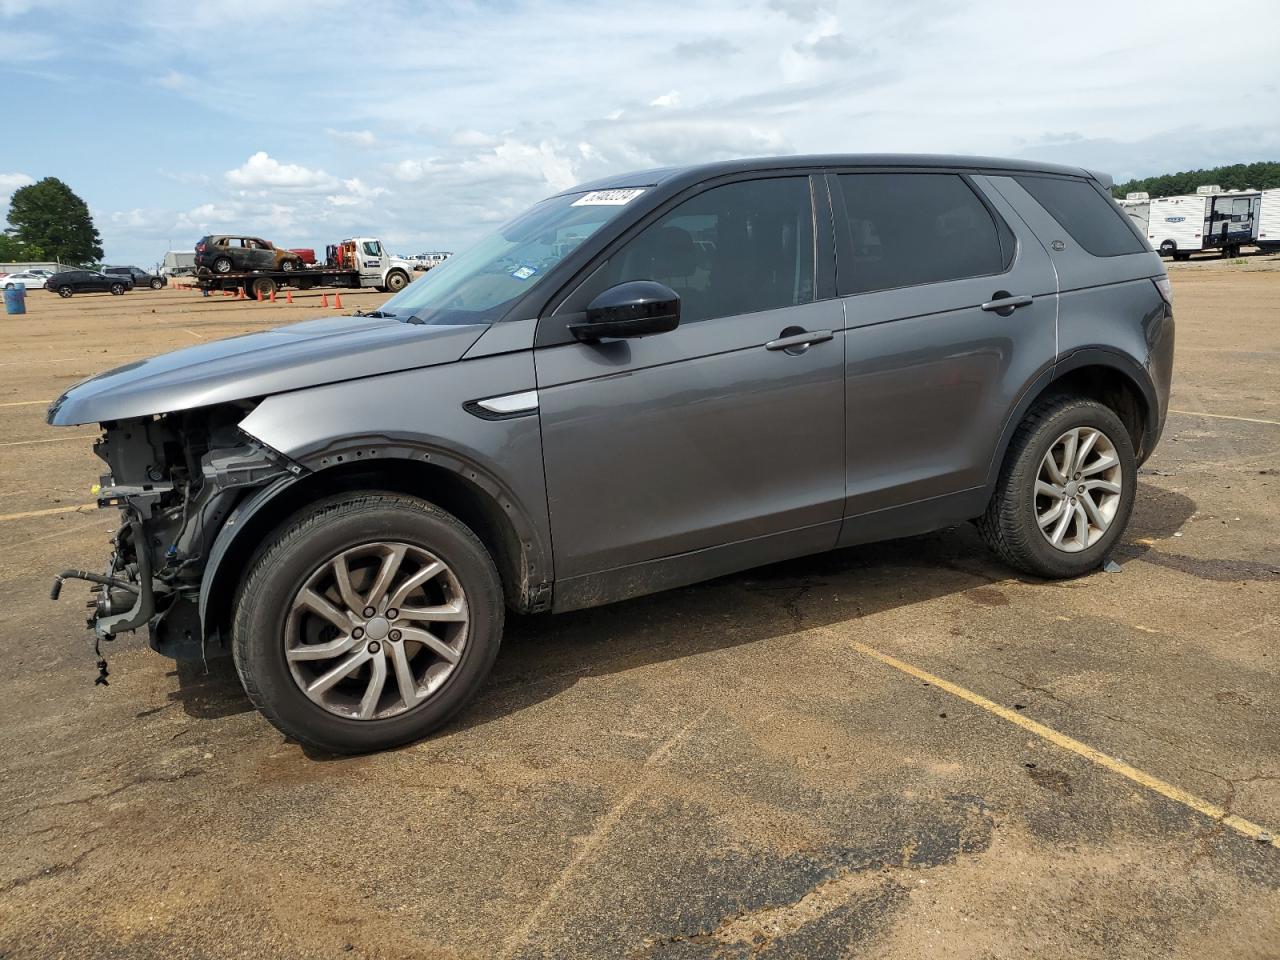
pixel 304 354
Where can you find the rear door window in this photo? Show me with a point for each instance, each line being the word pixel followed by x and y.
pixel 907 229
pixel 1092 220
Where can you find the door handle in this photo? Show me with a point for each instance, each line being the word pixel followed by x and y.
pixel 1002 302
pixel 795 341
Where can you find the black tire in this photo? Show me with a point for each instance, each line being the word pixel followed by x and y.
pixel 1168 249
pixel 117 289
pixel 262 285
pixel 1009 525
pixel 308 540
pixel 1182 257
pixel 64 291
pixel 288 266
pixel 156 283
pixel 397 280
pixel 222 265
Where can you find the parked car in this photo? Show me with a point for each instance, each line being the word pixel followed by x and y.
pixel 640 383
pixel 222 253
pixel 87 281
pixel 31 279
pixel 140 277
pixel 306 254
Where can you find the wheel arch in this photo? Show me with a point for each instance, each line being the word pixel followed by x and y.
pixel 522 560
pixel 1101 374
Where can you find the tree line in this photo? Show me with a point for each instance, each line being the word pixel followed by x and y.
pixel 47 221
pixel 1235 176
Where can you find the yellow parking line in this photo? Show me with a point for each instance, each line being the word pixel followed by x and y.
pixel 1224 416
pixel 1242 826
pixel 27 403
pixel 23 443
pixel 79 508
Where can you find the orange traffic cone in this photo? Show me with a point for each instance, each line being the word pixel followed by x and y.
pixel 258 292
pixel 324 299
pixel 288 296
pixel 227 293
pixel 337 301
pixel 273 294
pixel 240 294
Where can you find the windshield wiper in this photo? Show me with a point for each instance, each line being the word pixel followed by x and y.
pixel 416 320
pixel 378 314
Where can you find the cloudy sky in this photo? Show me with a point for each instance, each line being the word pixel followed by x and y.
pixel 425 123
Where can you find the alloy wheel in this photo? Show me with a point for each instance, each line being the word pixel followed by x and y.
pixel 376 630
pixel 1078 489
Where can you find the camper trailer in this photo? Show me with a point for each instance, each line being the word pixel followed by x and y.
pixel 1180 226
pixel 179 263
pixel 1138 207
pixel 1269 221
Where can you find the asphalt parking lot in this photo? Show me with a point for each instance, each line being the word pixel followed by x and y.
pixel 899 750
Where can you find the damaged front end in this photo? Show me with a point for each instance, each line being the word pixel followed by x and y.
pixel 175 478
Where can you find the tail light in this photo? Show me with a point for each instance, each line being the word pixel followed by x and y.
pixel 1165 288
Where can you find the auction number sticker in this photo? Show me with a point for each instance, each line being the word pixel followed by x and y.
pixel 608 198
pixel 524 273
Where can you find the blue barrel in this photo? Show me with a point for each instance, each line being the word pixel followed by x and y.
pixel 15 299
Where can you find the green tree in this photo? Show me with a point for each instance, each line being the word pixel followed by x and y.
pixel 11 248
pixel 52 223
pixel 1236 176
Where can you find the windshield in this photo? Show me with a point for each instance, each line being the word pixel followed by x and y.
pixel 476 286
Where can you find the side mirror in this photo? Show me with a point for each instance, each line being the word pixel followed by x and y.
pixel 637 308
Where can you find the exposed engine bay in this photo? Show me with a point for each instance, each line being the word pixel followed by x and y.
pixel 175 478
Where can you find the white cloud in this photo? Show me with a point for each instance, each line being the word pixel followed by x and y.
pixel 26 46
pixel 262 171
pixel 471 138
pixel 359 138
pixel 671 99
pixel 173 80
pixel 10 182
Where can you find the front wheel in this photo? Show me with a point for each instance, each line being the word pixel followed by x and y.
pixel 222 265
pixel 397 281
pixel 117 289
pixel 288 266
pixel 64 292
pixel 156 283
pixel 1066 491
pixel 367 622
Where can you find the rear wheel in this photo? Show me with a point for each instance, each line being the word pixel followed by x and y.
pixel 367 622
pixel 1066 491
pixel 263 287
pixel 222 265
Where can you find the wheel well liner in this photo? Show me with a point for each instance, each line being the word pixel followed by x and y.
pixel 520 558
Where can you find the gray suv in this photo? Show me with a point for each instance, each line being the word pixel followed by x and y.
pixel 638 383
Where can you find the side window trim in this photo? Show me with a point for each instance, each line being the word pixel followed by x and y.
pixel 552 329
pixel 844 231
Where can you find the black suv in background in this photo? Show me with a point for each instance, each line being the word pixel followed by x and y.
pixel 139 276
pixel 87 281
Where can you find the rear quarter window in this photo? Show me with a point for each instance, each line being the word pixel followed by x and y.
pixel 1092 220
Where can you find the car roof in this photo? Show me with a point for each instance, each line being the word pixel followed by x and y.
pixel 694 173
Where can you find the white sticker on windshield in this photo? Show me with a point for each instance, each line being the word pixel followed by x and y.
pixel 524 273
pixel 608 198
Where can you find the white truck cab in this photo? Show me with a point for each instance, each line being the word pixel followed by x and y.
pixel 370 259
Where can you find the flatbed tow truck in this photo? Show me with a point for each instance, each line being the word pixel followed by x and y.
pixel 358 262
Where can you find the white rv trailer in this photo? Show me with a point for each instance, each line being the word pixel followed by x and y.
pixel 1138 207
pixel 1180 226
pixel 1269 220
